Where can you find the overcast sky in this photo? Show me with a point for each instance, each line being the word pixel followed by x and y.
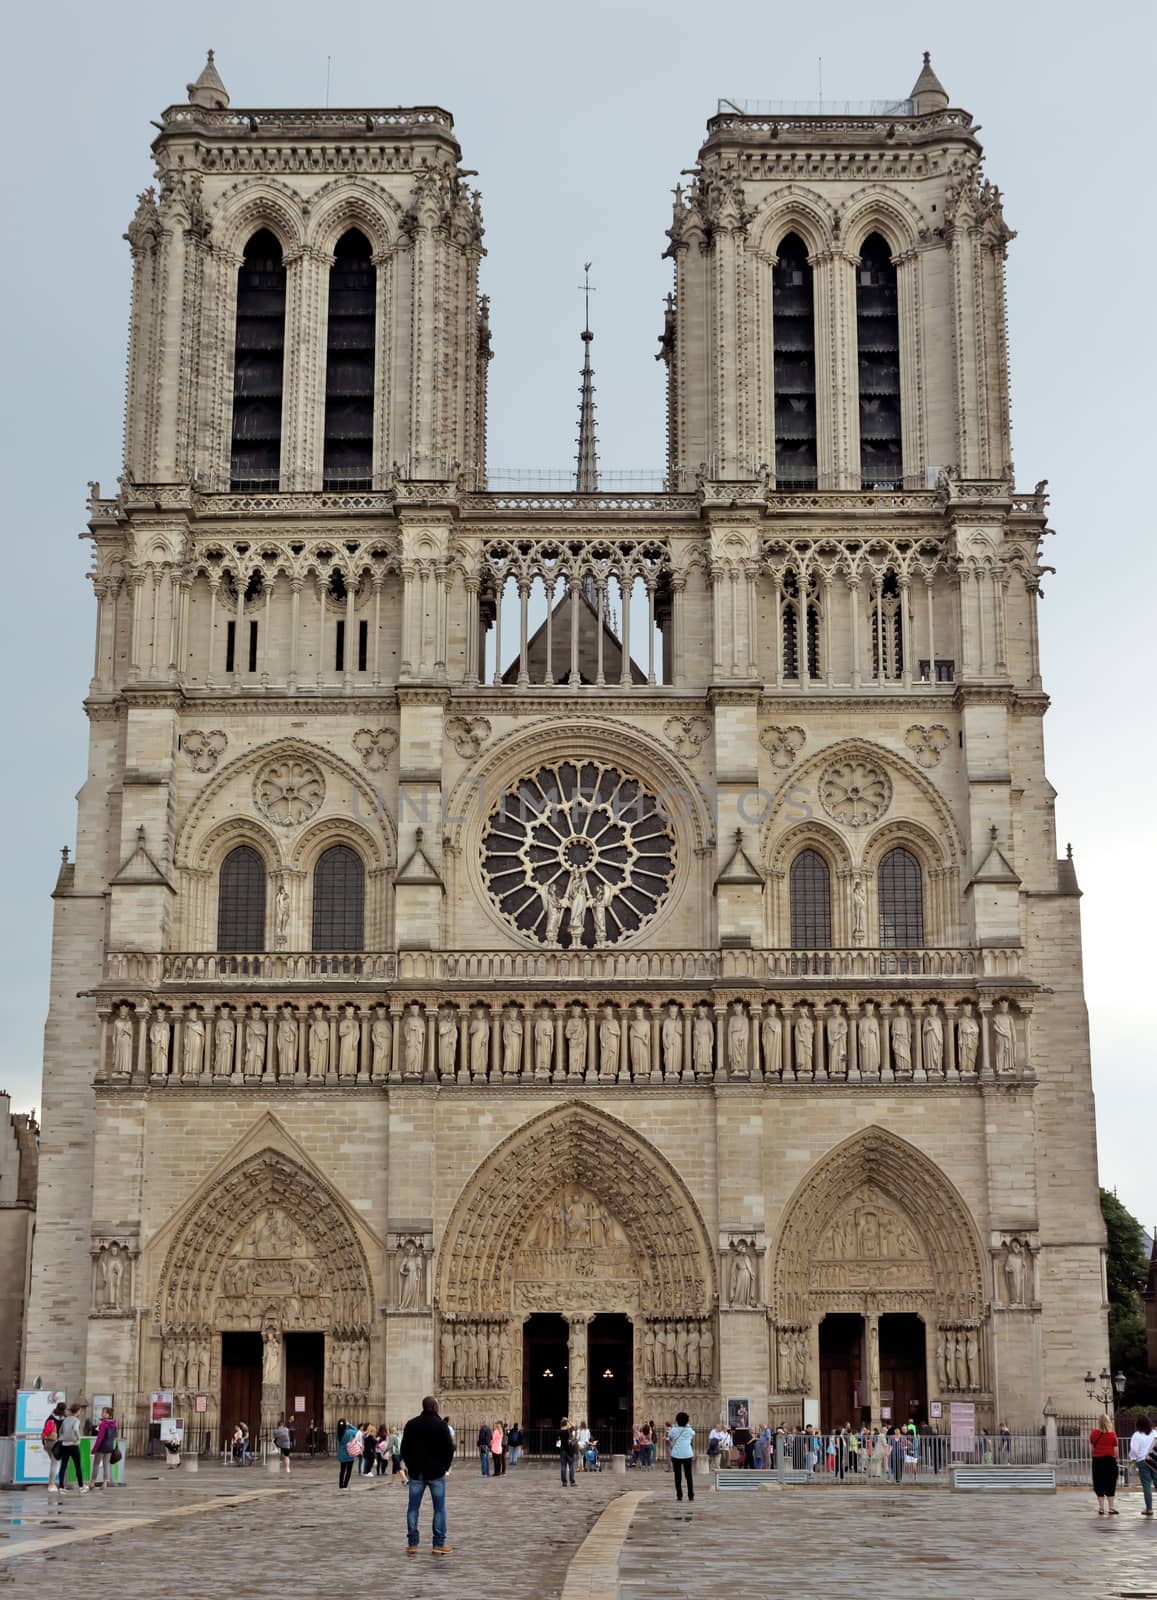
pixel 579 119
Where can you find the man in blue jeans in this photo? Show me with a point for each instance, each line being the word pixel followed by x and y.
pixel 427 1451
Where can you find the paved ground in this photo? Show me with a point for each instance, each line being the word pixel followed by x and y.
pixel 904 1545
pixel 514 1536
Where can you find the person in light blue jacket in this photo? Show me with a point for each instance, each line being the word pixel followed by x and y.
pixel 681 1439
pixel 345 1433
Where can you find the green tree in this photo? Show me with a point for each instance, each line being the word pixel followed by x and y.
pixel 1127 1269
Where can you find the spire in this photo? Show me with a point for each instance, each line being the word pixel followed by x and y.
pixel 587 476
pixel 928 92
pixel 208 90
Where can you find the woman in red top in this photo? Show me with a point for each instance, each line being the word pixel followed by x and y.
pixel 1104 1442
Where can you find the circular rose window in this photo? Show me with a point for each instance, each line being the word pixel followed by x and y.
pixel 578 854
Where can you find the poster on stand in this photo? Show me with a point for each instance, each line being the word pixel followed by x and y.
pixel 160 1405
pixel 35 1406
pixel 962 1425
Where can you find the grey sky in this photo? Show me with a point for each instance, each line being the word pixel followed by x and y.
pixel 579 119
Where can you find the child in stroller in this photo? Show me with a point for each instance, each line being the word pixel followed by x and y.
pixel 591 1462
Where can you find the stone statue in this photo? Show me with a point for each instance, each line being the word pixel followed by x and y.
pixel 449 1373
pixel 707 1351
pixel 159 1045
pixel 805 1032
pixel 413 1042
pixel 575 1033
pixel 703 1043
pixel 694 1370
pixel 255 1033
pixel 738 1065
pixel 771 1033
pixel 554 904
pixel 410 1274
pixel 967 1039
pixel 972 1358
pixel 1015 1272
pixel 742 1274
pixel 837 1031
pixel 281 915
pixel 902 1044
pixel 122 1043
pixel 286 1043
pixel 447 1043
pixel 511 1042
pixel 959 1371
pixel 578 901
pixel 597 891
pixel 543 1044
pixel 868 1032
pixel 639 1045
pixel 271 1358
pixel 669 1350
pixel 610 1036
pixel 348 1038
pixel 224 1043
pixel 194 1048
pixel 649 1354
pixel 112 1272
pixel 859 912
pixel 1003 1039
pixel 381 1041
pixel 479 1044
pixel 942 1372
pixel 681 1351
pixel 672 1041
pixel 932 1031
pixel 318 1043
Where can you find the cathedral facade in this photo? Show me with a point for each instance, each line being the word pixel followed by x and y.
pixel 573 952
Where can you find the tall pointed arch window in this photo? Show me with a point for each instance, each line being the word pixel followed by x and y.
pixel 241 901
pixel 339 900
pixel 349 370
pixel 900 890
pixel 801 626
pixel 878 340
pixel 794 356
pixel 811 902
pixel 259 366
pixel 888 601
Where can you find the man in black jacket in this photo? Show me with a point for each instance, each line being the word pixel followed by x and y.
pixel 427 1451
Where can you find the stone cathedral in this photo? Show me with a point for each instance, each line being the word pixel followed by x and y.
pixel 575 952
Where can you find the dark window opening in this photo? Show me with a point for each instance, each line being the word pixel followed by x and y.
pixel 253 647
pixel 258 366
pixel 349 376
pixel 888 652
pixel 791 641
pixel 339 647
pixel 811 902
pixel 945 671
pixel 878 339
pixel 363 644
pixel 339 897
pixel 230 645
pixel 794 366
pixel 241 901
pixel 901 901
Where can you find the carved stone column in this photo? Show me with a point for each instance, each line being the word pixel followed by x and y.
pixel 577 1355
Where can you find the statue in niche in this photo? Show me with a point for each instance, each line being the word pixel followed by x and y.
pixel 902 1044
pixel 224 1043
pixel 738 1065
pixel 772 1040
pixel 672 1041
pixel 703 1043
pixel 694 1375
pixel 281 915
pixel 972 1358
pixel 554 904
pixel 743 1291
pixel 159 1045
pixel 598 898
pixel 859 912
pixel 543 1043
pixel 348 1038
pixel 1016 1265
pixel 112 1275
pixel 805 1036
pixel 413 1042
pixel 479 1044
pixel 932 1033
pixel 639 1044
pixel 255 1033
pixel 669 1350
pixel 381 1041
pixel 1003 1039
pixel 707 1351
pixel 967 1039
pixel 448 1362
pixel 194 1047
pixel 681 1351
pixel 286 1043
pixel 868 1031
pixel 610 1039
pixel 649 1354
pixel 837 1032
pixel 578 902
pixel 411 1271
pixel 318 1043
pixel 447 1042
pixel 942 1372
pixel 959 1371
pixel 122 1042
pixel 511 1042
pixel 575 1033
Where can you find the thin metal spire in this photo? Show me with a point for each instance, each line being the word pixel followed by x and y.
pixel 587 476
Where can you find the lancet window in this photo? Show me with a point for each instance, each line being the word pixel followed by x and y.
pixel 258 366
pixel 901 896
pixel 811 902
pixel 349 373
pixel 794 354
pixel 801 625
pixel 888 601
pixel 339 900
pixel 241 901
pixel 878 339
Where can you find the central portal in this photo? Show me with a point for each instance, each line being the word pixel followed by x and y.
pixel 610 1364
pixel 545 1379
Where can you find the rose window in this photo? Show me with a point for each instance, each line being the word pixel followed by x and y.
pixel 288 792
pixel 578 854
pixel 855 792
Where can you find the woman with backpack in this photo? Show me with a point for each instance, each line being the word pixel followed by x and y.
pixel 348 1449
pixel 69 1435
pixel 566 1451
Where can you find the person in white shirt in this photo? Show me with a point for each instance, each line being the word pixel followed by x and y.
pixel 1143 1451
pixel 583 1439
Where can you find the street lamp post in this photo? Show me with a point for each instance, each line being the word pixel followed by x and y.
pixel 1108 1383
